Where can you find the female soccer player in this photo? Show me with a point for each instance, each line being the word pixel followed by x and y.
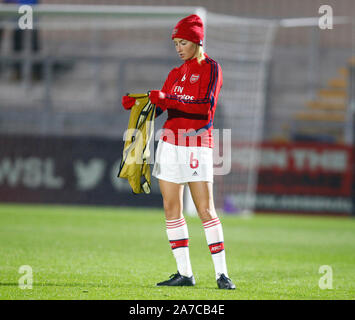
pixel 184 152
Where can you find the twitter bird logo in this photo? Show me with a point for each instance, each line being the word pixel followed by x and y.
pixel 89 175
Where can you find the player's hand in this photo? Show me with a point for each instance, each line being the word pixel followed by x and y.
pixel 157 97
pixel 128 102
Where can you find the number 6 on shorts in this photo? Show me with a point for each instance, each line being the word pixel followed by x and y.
pixel 193 162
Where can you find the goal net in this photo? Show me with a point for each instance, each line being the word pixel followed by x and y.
pixel 243 48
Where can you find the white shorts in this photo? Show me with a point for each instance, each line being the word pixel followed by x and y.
pixel 181 164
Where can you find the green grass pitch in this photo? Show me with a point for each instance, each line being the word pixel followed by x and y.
pixel 121 253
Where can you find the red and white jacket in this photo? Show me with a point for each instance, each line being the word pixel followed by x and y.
pixel 191 98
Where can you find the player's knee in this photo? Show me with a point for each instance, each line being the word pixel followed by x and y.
pixel 206 213
pixel 172 209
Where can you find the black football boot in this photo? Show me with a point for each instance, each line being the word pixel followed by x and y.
pixel 178 280
pixel 225 283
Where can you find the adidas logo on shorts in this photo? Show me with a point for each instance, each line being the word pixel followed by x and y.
pixel 195 173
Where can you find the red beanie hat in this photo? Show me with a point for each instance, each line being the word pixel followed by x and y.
pixel 189 28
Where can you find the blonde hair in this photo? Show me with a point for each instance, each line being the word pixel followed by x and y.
pixel 200 54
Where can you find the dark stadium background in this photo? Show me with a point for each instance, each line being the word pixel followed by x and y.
pixel 60 116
